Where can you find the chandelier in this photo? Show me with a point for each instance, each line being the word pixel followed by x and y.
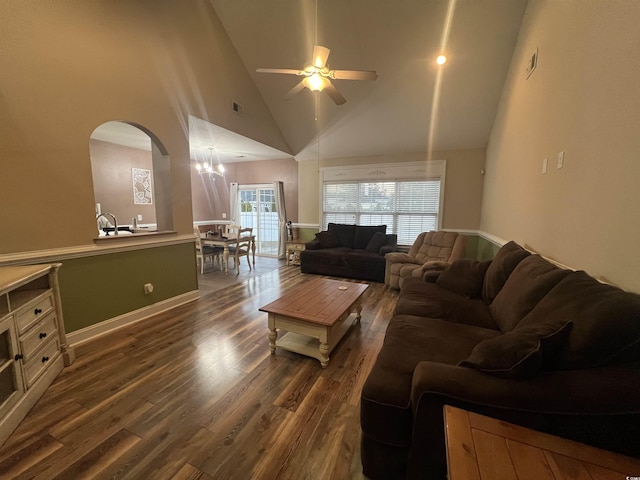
pixel 207 166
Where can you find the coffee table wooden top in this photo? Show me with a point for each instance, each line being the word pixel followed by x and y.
pixel 321 300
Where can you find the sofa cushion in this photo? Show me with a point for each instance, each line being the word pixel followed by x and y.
pixel 327 239
pixel 378 240
pixel 531 280
pixel 606 322
pixel 409 340
pixel 522 352
pixel 363 261
pixel 431 300
pixel 345 233
pixel 464 276
pixel 364 233
pixel 501 267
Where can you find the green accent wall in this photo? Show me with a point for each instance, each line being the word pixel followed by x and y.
pixel 479 248
pixel 486 249
pixel 306 234
pixel 100 287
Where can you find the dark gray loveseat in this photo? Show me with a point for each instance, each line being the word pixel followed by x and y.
pixel 516 338
pixel 352 251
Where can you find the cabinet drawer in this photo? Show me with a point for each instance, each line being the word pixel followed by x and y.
pixel 38 335
pixel 40 361
pixel 296 246
pixel 35 310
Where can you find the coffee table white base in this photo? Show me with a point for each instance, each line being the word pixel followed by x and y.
pixel 310 339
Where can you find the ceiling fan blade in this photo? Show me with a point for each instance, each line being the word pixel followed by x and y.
pixel 288 71
pixel 294 90
pixel 320 55
pixel 335 95
pixel 353 74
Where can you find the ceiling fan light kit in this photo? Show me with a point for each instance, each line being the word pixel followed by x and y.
pixel 318 76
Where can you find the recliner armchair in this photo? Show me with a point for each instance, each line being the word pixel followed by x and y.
pixel 432 251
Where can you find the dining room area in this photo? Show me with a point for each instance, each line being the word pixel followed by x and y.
pixel 226 255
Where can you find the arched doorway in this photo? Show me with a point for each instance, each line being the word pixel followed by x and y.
pixel 131 181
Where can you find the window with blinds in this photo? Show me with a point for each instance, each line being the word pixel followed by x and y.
pixel 407 207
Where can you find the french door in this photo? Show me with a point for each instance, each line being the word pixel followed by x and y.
pixel 258 211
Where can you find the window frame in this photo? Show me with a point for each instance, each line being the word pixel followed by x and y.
pixel 433 170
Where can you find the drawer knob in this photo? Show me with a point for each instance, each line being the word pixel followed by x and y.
pixel 43 335
pixel 37 311
pixel 18 356
pixel 45 359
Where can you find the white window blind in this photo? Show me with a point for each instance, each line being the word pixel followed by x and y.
pixel 405 196
pixel 407 207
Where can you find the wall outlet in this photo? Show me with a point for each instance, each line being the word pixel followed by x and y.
pixel 139 217
pixel 560 160
pixel 148 288
pixel 224 215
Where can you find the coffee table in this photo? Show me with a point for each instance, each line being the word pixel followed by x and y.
pixel 315 316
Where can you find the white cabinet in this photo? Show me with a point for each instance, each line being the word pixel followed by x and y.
pixel 33 347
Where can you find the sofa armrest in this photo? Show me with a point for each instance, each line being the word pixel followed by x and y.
pixel 593 391
pixel 431 276
pixel 593 406
pixel 313 245
pixel 399 257
pixel 435 265
pixel 386 249
pixel 430 271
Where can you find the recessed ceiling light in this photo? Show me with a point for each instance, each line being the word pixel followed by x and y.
pixel 441 60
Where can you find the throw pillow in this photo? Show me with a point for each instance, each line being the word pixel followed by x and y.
pixel 464 276
pixel 377 242
pixel 327 239
pixel 364 233
pixel 521 352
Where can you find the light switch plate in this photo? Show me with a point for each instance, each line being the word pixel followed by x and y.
pixel 560 160
pixel 545 162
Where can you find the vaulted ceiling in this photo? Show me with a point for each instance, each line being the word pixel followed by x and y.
pixel 414 105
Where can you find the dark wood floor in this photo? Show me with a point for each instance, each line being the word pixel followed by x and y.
pixel 194 394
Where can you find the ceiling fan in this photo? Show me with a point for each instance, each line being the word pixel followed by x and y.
pixel 318 75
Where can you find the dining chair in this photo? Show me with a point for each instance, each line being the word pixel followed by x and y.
pixel 243 235
pixel 232 230
pixel 242 249
pixel 206 251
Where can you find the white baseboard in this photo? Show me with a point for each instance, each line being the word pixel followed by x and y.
pixel 107 326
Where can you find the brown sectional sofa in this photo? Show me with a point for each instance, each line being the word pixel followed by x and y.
pixel 352 251
pixel 515 338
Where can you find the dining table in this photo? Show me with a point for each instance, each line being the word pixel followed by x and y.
pixel 217 240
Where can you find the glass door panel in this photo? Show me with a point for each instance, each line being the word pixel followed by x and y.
pixel 258 211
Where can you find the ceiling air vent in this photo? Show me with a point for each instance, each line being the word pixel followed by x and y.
pixel 239 109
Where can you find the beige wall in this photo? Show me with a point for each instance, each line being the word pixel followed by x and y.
pixel 463 188
pixel 582 99
pixel 111 166
pixel 68 67
pixel 211 193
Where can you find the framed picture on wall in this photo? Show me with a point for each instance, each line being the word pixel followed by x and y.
pixel 141 186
